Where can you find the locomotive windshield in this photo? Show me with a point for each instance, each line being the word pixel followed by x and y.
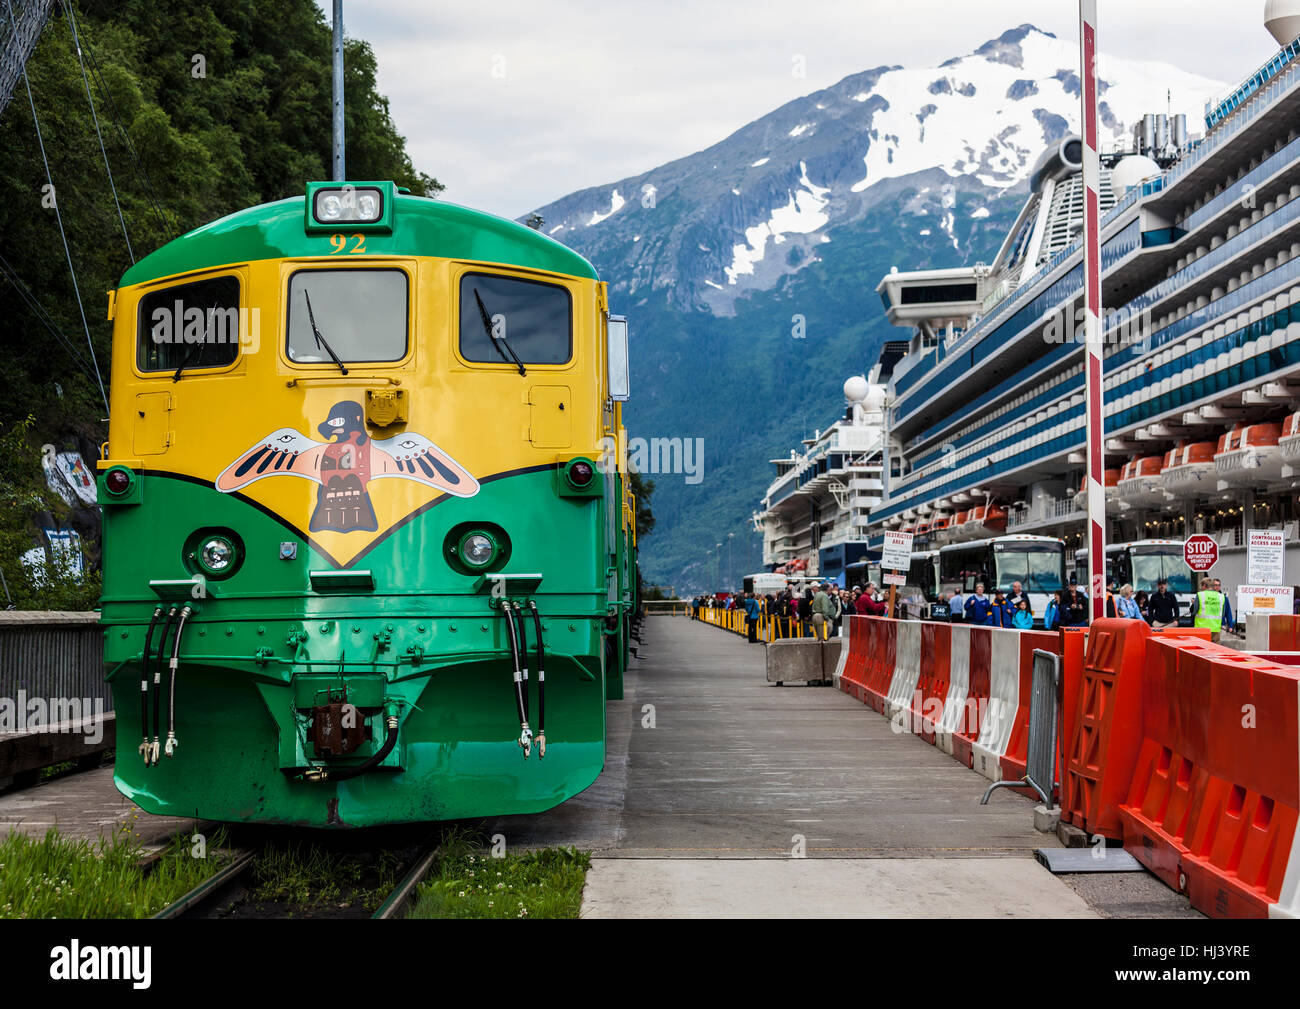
pixel 186 326
pixel 362 314
pixel 504 318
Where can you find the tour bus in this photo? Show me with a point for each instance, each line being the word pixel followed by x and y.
pixel 1036 562
pixel 1142 564
pixel 862 573
pixel 764 583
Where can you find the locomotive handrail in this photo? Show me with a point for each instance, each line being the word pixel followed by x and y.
pixel 341 379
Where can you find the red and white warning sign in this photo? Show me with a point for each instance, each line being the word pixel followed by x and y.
pixel 1200 552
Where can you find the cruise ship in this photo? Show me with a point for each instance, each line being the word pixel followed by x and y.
pixel 979 408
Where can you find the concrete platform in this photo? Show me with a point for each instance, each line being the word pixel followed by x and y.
pixel 83 806
pixel 703 815
pixel 826 888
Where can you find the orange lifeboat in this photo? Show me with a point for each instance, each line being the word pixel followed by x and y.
pixel 1111 483
pixel 1249 455
pixel 1190 468
pixel 1140 484
pixel 1289 443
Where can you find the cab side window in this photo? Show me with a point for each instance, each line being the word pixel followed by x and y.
pixel 504 318
pixel 194 325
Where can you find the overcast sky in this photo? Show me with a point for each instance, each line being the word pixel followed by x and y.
pixel 514 103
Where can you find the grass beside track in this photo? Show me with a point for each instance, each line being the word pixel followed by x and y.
pixel 58 877
pixel 467 882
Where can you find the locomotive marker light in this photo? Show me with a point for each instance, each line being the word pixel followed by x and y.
pixel 579 473
pixel 117 481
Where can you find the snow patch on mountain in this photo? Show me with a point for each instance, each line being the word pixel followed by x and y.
pixel 616 204
pixel 802 215
pixel 997 142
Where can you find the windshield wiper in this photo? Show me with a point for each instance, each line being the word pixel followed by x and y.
pixel 320 340
pixel 194 351
pixel 497 341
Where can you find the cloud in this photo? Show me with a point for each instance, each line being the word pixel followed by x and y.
pixel 514 104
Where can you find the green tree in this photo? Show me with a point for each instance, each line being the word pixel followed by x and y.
pixel 643 489
pixel 205 108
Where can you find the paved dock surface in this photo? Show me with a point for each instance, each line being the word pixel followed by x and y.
pixel 717 782
pixel 85 806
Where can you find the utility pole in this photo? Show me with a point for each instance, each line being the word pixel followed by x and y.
pixel 730 574
pixel 340 173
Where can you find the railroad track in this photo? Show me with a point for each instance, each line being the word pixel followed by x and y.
pixel 230 891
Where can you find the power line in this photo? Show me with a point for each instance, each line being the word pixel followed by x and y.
pixel 59 217
pixel 44 317
pixel 76 44
pixel 107 97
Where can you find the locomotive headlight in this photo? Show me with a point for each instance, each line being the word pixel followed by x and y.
pixel 348 203
pixel 216 555
pixel 477 549
pixel 329 207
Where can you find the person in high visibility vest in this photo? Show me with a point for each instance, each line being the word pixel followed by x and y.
pixel 1207 609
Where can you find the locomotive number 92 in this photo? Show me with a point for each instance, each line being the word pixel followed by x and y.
pixel 369 550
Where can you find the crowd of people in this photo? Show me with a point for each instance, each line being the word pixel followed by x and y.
pixel 819 610
pixel 815 611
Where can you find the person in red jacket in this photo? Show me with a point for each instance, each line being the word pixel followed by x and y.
pixel 869 605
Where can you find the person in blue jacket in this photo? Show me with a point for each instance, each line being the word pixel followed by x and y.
pixel 1053 612
pixel 1001 615
pixel 1023 618
pixel 979 609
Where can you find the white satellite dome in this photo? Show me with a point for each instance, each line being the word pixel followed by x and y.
pixel 1282 19
pixel 875 399
pixel 1131 171
pixel 856 389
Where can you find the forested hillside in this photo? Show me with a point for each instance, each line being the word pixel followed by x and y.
pixel 203 108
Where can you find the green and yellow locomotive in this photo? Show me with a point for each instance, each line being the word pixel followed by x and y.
pixel 368 547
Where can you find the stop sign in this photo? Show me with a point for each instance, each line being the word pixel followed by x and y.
pixel 1200 552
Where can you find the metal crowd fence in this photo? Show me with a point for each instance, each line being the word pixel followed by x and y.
pixel 771 627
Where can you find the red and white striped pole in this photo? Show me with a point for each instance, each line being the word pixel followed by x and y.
pixel 1094 418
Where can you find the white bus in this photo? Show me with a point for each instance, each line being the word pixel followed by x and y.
pixel 1142 564
pixel 1036 562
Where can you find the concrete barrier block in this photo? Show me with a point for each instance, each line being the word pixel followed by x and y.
pixel 831 651
pixel 796 660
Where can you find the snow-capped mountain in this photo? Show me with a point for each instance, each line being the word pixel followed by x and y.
pixel 759 205
pixel 797 216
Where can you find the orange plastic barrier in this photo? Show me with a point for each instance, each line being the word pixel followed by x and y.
pixel 977 695
pixel 926 704
pixel 882 652
pixel 1073 642
pixel 1215 795
pixel 1107 725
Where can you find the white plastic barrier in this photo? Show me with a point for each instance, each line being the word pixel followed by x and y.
pixel 1004 700
pixel 907 667
pixel 850 622
pixel 954 706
